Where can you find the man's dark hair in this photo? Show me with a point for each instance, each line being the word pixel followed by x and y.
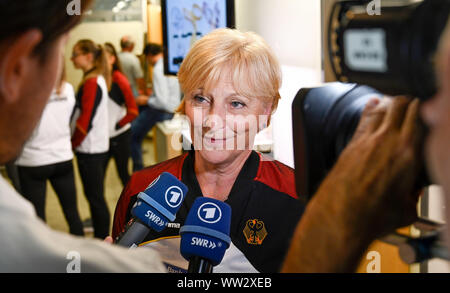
pixel 49 16
pixel 152 49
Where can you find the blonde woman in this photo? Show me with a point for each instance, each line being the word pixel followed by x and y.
pixel 231 83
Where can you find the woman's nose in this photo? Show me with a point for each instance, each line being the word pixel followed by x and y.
pixel 215 118
pixel 213 121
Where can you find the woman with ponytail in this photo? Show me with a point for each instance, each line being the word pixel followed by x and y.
pixel 122 109
pixel 90 139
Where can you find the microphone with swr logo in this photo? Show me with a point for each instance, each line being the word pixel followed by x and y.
pixel 154 208
pixel 205 234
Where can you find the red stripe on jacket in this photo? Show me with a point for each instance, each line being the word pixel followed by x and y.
pixel 125 88
pixel 277 176
pixel 89 88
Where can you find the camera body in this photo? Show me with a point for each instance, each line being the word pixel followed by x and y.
pixel 393 51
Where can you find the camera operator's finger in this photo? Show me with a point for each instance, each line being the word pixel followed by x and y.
pixel 409 127
pixel 395 113
pixel 371 118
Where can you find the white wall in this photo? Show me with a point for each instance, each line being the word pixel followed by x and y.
pixel 291 27
pixel 293 30
pixel 101 32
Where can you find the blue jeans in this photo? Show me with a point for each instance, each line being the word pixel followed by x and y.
pixel 148 117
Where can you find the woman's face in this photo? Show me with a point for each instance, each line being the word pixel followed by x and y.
pixel 223 123
pixel 81 60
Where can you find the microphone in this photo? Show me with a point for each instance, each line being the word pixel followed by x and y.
pixel 205 234
pixel 154 208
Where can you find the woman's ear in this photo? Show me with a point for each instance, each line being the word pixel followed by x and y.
pixel 268 109
pixel 17 60
pixel 267 113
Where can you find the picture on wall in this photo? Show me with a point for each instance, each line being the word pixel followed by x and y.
pixel 186 21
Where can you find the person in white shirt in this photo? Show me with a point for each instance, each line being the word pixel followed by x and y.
pixel 159 106
pixel 47 156
pixel 31 46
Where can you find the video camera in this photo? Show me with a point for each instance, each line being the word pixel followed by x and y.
pixel 372 53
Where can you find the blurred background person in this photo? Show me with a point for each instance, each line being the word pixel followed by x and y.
pixel 122 109
pixel 131 66
pixel 90 139
pixel 47 156
pixel 157 107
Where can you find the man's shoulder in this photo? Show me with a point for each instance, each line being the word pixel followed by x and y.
pixel 128 56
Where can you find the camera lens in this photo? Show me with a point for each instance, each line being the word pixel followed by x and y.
pixel 324 121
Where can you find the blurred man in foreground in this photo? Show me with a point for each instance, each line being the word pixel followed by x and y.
pixel 31 44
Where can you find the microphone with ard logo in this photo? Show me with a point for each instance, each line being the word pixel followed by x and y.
pixel 154 208
pixel 205 234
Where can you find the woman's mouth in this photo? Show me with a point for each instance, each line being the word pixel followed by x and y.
pixel 215 139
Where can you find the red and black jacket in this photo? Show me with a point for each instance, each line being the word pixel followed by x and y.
pixel 88 99
pixel 122 95
pixel 263 196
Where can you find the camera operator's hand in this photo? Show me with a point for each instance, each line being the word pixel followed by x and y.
pixel 382 163
pixel 369 192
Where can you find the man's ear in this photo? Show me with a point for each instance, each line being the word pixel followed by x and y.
pixel 16 61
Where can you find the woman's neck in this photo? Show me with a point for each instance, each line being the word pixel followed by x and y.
pixel 216 180
pixel 88 70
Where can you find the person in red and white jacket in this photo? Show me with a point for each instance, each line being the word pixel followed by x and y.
pixel 90 139
pixel 122 110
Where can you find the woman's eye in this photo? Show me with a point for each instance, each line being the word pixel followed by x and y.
pixel 200 99
pixel 237 105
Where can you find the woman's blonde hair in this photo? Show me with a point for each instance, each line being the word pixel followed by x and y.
pixel 100 60
pixel 254 69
